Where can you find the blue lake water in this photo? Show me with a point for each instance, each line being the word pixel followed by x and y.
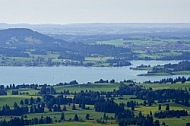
pixel 54 75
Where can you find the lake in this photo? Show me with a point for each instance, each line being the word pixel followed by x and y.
pixel 54 75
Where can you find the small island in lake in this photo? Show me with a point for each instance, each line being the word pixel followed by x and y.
pixel 182 68
pixel 141 67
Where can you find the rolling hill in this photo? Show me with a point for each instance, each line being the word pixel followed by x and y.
pixel 19 37
pixel 19 43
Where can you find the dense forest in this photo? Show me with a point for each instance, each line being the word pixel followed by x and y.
pixel 170 69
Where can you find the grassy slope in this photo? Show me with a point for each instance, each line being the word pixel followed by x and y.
pixel 92 87
pixel 10 99
pixel 167 86
pixel 88 123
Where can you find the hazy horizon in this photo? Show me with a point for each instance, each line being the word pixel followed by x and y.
pixel 91 23
pixel 94 11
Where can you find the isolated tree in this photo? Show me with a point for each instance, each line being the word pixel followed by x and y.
pixel 38 100
pixel 87 116
pixel 73 107
pixel 55 108
pixel 112 81
pixel 21 102
pixel 76 118
pixel 64 108
pixel 159 107
pixel 167 107
pixel 144 103
pixel 132 107
pixel 31 100
pixel 26 101
pixel 104 116
pixel 163 123
pixel 62 117
pixel 83 105
pixel 140 114
pixel 15 105
pixel 150 113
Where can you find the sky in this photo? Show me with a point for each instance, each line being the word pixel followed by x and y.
pixel 94 11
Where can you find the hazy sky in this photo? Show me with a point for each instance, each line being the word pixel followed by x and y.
pixel 94 11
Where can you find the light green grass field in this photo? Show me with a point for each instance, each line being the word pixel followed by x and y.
pixel 169 121
pixel 176 121
pixel 70 114
pixel 84 87
pixel 10 99
pixel 86 123
pixel 182 73
pixel 97 58
pixel 30 91
pixel 124 99
pixel 117 42
pixel 168 86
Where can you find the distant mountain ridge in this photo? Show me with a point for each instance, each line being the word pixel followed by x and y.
pixel 24 36
pixel 99 28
